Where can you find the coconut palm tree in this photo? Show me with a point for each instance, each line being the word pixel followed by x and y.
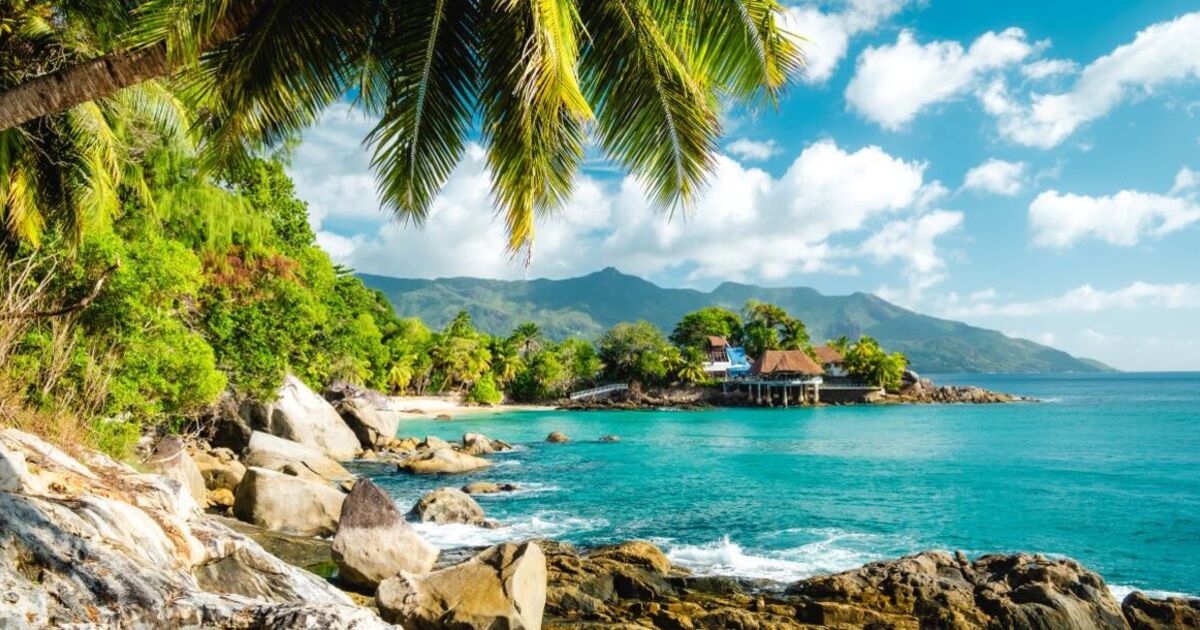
pixel 71 165
pixel 534 80
pixel 528 337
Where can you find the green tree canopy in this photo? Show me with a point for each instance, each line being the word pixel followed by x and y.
pixel 867 360
pixel 770 327
pixel 694 329
pixel 636 353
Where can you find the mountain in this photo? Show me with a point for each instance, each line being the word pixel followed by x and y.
pixel 588 305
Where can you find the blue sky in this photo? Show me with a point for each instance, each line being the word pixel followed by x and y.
pixel 1025 166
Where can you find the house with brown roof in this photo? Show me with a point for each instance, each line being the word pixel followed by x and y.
pixel 831 360
pixel 786 364
pixel 785 375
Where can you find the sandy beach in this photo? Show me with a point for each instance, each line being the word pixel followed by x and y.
pixel 422 407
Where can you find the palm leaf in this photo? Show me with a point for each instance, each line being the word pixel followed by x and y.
pixel 430 54
pixel 655 116
pixel 533 110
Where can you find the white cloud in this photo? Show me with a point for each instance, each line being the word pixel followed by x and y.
pixel 1046 68
pixel 1060 220
pixel 893 83
pixel 753 150
pixel 1086 299
pixel 913 242
pixel 1160 54
pixel 748 225
pixel 998 177
pixel 827 35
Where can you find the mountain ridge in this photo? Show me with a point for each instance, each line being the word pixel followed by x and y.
pixel 587 305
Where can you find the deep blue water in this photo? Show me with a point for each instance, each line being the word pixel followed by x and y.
pixel 1106 470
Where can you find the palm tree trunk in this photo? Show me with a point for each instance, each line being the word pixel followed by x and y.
pixel 105 76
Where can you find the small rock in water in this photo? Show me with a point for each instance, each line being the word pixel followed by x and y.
pixel 557 438
pixel 488 487
pixel 444 416
pixel 442 461
pixel 448 505
pixel 610 438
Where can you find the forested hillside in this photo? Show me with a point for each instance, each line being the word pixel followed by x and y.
pixel 588 305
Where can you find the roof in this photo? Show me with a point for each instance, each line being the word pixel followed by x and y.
pixel 827 355
pixel 717 342
pixel 786 361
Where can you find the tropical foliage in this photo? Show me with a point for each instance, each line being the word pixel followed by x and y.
pixel 644 79
pixel 867 361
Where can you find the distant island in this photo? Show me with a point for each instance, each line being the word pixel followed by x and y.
pixel 588 305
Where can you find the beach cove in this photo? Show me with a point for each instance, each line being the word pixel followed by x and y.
pixel 1103 471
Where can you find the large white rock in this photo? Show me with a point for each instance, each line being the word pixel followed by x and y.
pixel 14 473
pixel 112 548
pixel 300 415
pixel 171 460
pixel 374 542
pixel 370 414
pixel 288 504
pixel 503 587
pixel 289 457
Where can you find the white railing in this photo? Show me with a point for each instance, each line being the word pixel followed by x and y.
pixel 597 391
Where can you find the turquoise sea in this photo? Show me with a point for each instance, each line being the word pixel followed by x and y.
pixel 1105 470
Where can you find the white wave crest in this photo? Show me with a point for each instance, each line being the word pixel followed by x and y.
pixel 725 557
pixel 1120 592
pixel 542 525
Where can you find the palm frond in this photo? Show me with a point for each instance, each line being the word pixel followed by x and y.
pixel 533 110
pixel 431 56
pixel 655 116
pixel 19 211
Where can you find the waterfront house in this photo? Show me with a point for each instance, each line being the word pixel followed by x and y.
pixel 831 360
pixel 789 375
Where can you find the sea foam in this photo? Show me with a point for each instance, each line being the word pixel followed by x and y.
pixel 541 525
pixel 725 557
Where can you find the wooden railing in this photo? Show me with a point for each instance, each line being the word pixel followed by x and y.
pixel 599 391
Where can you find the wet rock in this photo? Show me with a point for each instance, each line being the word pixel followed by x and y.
pixel 503 587
pixel 935 589
pixel 300 415
pixel 488 487
pixel 442 461
pixel 289 504
pixel 293 458
pixel 375 542
pixel 434 443
pixel 1144 613
pixel 609 438
pixel 478 444
pixel 448 505
pixel 171 460
pixel 557 438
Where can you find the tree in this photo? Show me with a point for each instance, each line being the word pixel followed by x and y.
pixel 696 327
pixel 692 369
pixel 637 353
pixel 648 76
pixel 769 327
pixel 528 337
pixel 867 360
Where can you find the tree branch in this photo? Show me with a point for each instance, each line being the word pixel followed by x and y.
pixel 70 308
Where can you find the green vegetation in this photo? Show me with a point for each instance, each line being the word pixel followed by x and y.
pixel 867 361
pixel 540 79
pixel 589 305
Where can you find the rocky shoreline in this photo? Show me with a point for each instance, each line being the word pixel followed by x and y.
pixel 262 527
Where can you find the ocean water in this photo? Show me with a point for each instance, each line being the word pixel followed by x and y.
pixel 1105 470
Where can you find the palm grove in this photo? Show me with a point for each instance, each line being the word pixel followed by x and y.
pixel 154 254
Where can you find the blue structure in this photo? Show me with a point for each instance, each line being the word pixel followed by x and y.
pixel 739 365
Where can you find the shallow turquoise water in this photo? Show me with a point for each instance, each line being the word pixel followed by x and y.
pixel 1106 471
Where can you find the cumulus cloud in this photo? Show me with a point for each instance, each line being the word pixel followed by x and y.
pixel 827 35
pixel 753 150
pixel 748 225
pixel 998 177
pixel 1047 68
pixel 893 83
pixel 1086 299
pixel 913 243
pixel 1160 54
pixel 1060 220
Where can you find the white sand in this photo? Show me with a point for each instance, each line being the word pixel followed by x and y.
pixel 423 407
